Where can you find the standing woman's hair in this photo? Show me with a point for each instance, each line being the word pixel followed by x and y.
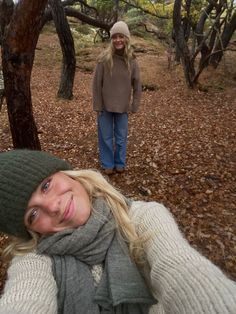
pixel 107 56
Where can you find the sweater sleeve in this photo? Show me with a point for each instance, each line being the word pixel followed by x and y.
pixel 137 87
pixel 30 287
pixel 97 87
pixel 182 280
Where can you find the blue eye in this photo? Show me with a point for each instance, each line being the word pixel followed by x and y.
pixel 45 185
pixel 32 216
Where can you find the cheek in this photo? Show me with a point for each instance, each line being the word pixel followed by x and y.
pixel 43 226
pixel 87 213
pixel 83 215
pixel 83 212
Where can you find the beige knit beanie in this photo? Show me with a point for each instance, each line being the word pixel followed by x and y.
pixel 120 28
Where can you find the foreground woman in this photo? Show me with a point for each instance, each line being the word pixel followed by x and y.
pixel 80 246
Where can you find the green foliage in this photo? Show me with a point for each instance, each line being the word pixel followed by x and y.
pixel 195 10
pixel 105 8
pixel 134 18
pixel 103 5
pixel 156 7
pixel 83 35
pixel 84 29
pixel 165 10
pixel 165 25
pixel 137 16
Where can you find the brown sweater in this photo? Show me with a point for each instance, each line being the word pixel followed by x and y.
pixel 112 92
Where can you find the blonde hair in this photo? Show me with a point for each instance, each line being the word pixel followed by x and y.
pixel 107 55
pixel 18 246
pixel 96 186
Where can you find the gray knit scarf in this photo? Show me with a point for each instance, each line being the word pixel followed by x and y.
pixel 121 290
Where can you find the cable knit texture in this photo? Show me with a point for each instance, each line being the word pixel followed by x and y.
pixel 30 287
pixel 182 280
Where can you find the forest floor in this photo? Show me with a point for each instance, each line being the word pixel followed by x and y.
pixel 181 145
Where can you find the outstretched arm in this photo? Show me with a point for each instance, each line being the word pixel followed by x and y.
pixel 30 287
pixel 182 280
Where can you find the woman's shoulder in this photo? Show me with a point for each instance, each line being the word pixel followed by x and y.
pixel 33 261
pixel 30 278
pixel 140 210
pixel 152 216
pixel 103 56
pixel 140 204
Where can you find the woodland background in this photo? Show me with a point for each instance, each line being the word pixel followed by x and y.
pixel 181 146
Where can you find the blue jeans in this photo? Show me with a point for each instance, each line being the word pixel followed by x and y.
pixel 112 138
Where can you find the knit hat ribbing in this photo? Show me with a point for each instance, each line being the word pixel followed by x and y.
pixel 120 28
pixel 21 172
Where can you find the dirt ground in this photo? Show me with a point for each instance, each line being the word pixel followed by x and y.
pixel 181 147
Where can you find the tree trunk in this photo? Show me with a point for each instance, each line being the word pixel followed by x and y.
pixel 18 51
pixel 68 51
pixel 205 51
pixel 182 46
pixel 223 42
pixel 6 11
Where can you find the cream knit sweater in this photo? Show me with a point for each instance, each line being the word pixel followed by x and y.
pixel 182 280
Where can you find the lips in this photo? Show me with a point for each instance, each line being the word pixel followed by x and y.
pixel 69 211
pixel 118 44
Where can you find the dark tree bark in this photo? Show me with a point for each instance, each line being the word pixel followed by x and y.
pixel 205 51
pixel 223 42
pixel 117 9
pixel 18 50
pixel 68 51
pixel 181 44
pixel 6 11
pixel 186 20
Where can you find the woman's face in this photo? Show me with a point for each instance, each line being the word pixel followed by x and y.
pixel 118 41
pixel 58 203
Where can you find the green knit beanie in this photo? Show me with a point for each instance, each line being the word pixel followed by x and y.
pixel 21 172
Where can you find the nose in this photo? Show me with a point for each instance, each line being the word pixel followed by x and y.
pixel 51 205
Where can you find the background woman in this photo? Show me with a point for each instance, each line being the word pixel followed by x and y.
pixel 116 76
pixel 81 247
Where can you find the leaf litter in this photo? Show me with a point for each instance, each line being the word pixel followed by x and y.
pixel 181 145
